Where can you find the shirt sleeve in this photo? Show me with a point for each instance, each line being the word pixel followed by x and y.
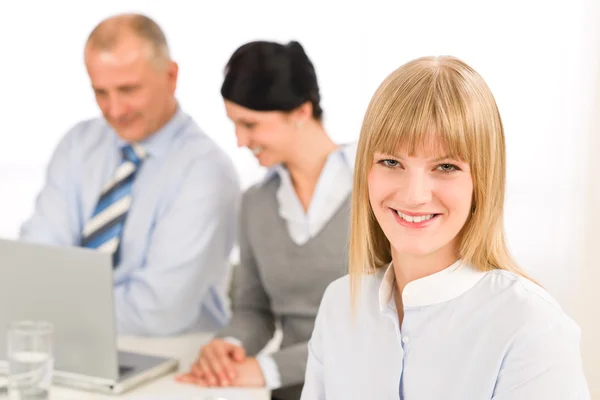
pixel 270 371
pixel 543 364
pixel 188 253
pixel 55 220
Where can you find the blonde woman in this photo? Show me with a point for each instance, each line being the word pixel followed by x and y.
pixel 434 307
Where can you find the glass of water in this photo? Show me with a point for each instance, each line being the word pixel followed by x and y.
pixel 30 360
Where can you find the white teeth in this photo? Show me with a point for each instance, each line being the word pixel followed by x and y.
pixel 257 150
pixel 418 219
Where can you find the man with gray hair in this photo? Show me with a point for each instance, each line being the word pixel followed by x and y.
pixel 144 184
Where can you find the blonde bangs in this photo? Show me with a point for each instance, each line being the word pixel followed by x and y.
pixel 430 117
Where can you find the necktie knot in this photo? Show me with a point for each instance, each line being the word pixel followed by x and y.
pixel 133 153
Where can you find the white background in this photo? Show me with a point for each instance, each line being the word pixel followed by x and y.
pixel 541 59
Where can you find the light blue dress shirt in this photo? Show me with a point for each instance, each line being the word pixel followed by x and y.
pixel 179 231
pixel 332 189
pixel 466 334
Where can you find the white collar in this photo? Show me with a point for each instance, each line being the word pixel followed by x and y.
pixel 440 287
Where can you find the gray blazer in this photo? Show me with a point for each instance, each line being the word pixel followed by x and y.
pixel 280 280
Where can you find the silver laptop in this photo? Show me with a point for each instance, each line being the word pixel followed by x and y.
pixel 73 289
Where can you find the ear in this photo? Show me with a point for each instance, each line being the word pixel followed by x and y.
pixel 172 74
pixel 302 113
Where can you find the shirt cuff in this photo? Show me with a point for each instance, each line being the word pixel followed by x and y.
pixel 270 371
pixel 233 340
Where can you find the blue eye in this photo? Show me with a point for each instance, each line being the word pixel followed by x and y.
pixel 389 163
pixel 448 168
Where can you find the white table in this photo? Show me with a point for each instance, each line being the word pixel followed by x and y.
pixel 185 349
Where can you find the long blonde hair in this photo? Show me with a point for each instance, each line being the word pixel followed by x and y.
pixel 446 98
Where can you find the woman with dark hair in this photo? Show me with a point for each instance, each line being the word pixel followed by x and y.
pixel 293 224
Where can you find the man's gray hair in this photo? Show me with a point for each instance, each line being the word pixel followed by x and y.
pixel 107 34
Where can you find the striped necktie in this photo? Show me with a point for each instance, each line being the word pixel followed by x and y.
pixel 103 231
